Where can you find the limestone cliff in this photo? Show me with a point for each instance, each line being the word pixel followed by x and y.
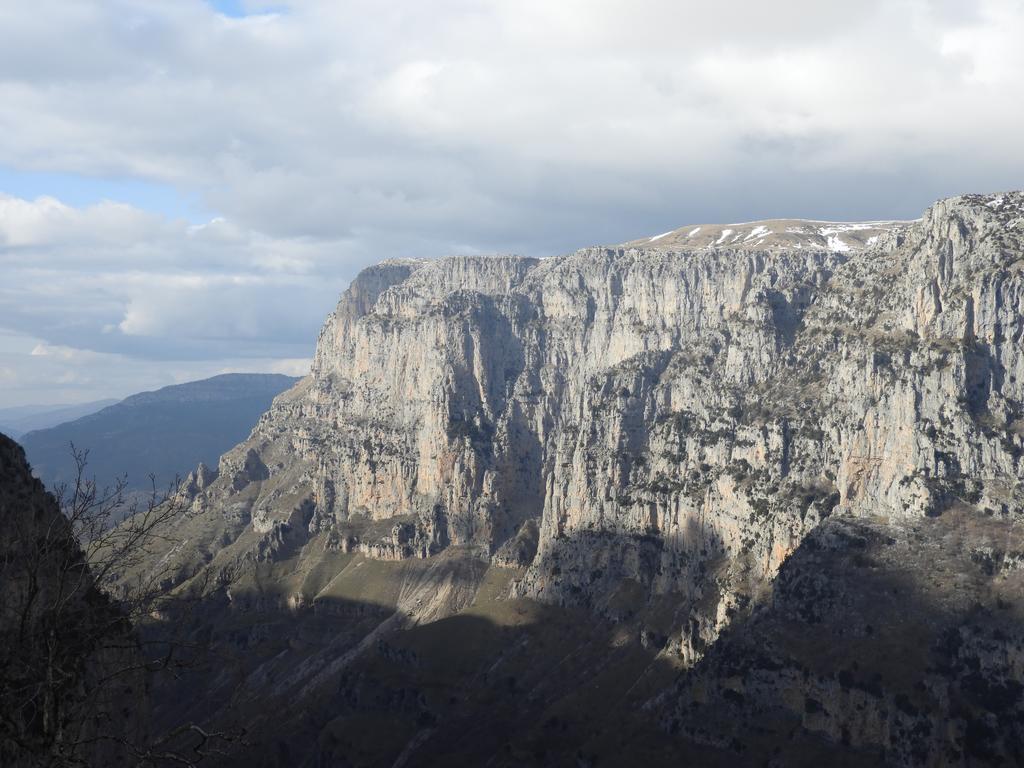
pixel 676 420
pixel 646 432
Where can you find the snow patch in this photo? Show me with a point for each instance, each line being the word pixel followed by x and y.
pixel 693 231
pixel 853 226
pixel 836 244
pixel 758 231
pixel 663 234
pixel 725 234
pixel 995 202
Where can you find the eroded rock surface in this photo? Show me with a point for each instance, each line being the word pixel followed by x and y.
pixel 898 643
pixel 645 432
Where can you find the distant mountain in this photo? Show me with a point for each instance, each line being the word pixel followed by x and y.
pixel 15 422
pixel 165 433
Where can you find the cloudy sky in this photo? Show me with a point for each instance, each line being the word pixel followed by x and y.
pixel 187 186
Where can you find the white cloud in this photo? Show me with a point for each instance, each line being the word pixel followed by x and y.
pixel 48 221
pixel 69 354
pixel 291 367
pixel 332 135
pixel 430 118
pixel 35 372
pixel 116 280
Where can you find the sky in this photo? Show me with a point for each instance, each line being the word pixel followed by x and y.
pixel 186 187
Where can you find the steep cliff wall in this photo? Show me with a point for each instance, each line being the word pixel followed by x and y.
pixel 892 643
pixel 648 425
pixel 643 435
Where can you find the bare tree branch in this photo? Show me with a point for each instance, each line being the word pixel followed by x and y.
pixel 79 582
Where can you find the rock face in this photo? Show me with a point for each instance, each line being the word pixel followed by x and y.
pixel 649 431
pixel 898 642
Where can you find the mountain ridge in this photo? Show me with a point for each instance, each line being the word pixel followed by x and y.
pixel 773 233
pixel 163 433
pixel 20 420
pixel 645 437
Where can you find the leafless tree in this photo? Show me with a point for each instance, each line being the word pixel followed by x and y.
pixel 77 580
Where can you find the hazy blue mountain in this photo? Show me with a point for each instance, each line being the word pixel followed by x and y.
pixel 165 433
pixel 16 421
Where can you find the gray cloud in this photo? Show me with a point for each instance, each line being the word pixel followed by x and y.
pixel 332 135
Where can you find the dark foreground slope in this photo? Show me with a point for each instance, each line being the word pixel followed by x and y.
pixel 163 433
pixel 71 689
pixel 880 643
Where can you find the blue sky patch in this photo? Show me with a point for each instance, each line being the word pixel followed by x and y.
pixel 239 9
pixel 79 191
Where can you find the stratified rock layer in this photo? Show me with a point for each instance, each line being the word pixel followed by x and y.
pixel 898 643
pixel 675 421
pixel 647 431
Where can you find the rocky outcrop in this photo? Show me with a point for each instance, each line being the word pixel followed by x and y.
pixel 647 433
pixel 901 643
pixel 675 418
